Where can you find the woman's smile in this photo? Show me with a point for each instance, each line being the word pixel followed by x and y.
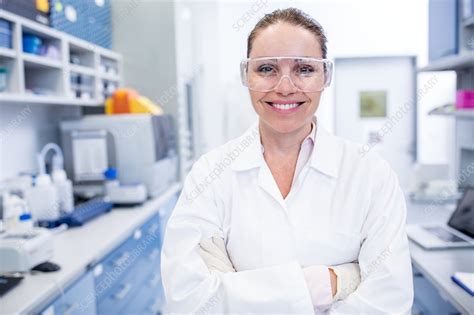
pixel 284 107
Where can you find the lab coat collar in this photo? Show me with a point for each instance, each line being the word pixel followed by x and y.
pixel 325 157
pixel 327 152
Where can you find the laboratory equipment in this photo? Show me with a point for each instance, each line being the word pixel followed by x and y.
pixel 21 252
pixel 14 207
pixel 123 194
pixel 141 147
pixel 457 233
pixel 82 213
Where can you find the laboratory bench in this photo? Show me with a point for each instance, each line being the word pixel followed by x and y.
pixel 110 265
pixel 435 292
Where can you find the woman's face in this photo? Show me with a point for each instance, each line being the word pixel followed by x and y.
pixel 284 39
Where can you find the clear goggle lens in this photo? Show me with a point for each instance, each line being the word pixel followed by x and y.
pixel 306 74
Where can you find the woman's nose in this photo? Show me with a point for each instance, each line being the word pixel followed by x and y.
pixel 285 87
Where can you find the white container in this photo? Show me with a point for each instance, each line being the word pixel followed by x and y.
pixel 13 207
pixel 43 199
pixel 64 191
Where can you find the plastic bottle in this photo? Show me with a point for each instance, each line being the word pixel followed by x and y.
pixel 43 199
pixel 63 186
pixel 25 224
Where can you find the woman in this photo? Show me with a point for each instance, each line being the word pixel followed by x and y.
pixel 273 221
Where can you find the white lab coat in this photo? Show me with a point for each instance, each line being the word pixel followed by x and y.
pixel 344 206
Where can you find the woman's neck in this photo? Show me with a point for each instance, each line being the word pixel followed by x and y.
pixel 275 142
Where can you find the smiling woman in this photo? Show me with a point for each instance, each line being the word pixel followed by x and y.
pixel 299 221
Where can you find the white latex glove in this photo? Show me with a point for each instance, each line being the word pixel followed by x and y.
pixel 214 254
pixel 348 279
pixel 319 284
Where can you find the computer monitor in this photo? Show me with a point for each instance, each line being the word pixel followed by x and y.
pixel 462 218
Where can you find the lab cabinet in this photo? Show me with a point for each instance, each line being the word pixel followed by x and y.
pixel 77 300
pixel 126 280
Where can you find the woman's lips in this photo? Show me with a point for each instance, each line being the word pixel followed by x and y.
pixel 285 107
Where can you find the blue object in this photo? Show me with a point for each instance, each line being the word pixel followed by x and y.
pixel 84 19
pixel 32 44
pixel 82 213
pixel 462 285
pixel 5 34
pixel 443 28
pixel 25 217
pixel 110 173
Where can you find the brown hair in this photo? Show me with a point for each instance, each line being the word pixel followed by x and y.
pixel 294 17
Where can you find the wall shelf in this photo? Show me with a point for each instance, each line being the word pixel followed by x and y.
pixel 48 100
pixel 458 113
pixel 451 63
pixel 36 61
pixel 75 78
pixel 6 52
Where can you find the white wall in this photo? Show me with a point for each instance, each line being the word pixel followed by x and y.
pixel 354 28
pixel 24 130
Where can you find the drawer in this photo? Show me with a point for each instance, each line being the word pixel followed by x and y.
pixel 116 265
pixel 149 299
pixel 119 296
pixel 78 299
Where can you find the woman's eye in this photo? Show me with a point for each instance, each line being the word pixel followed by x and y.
pixel 265 69
pixel 305 69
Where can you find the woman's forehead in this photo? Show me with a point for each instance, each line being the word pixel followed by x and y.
pixel 284 39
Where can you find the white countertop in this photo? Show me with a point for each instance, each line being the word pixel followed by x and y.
pixel 75 249
pixel 439 265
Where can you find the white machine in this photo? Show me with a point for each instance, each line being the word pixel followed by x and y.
pixel 457 233
pixel 141 147
pixel 22 252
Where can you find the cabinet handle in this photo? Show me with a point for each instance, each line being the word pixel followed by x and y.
pixel 154 254
pixel 121 260
pixel 123 292
pixel 69 309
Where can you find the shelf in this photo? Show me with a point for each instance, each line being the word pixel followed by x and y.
pixel 50 77
pixel 110 77
pixel 82 70
pixel 35 61
pixel 7 52
pixel 451 63
pixel 466 113
pixel 48 100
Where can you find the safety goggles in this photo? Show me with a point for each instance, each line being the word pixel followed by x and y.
pixel 307 74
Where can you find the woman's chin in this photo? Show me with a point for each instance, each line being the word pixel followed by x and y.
pixel 283 126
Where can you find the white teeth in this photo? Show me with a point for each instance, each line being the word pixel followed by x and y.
pixel 285 106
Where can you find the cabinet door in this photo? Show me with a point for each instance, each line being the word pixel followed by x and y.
pixel 79 299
